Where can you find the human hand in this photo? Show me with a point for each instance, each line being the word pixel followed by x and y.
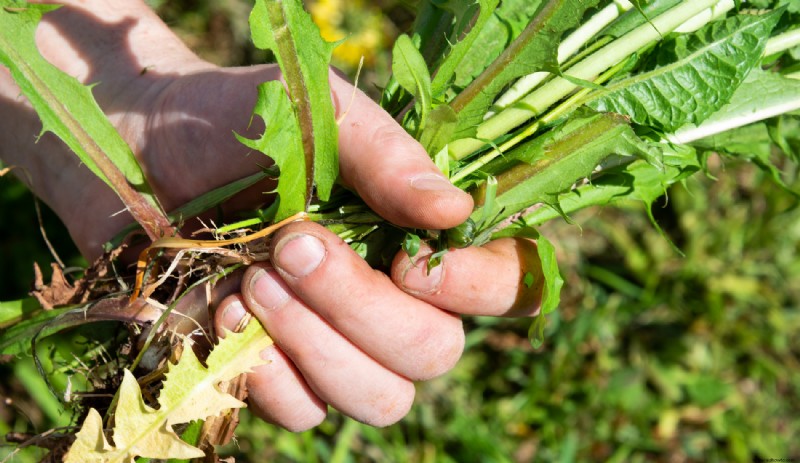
pixel 346 335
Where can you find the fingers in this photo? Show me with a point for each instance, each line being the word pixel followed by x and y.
pixel 401 332
pixel 389 169
pixel 278 392
pixel 460 283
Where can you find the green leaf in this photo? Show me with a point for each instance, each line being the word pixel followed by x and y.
pixel 536 331
pixel 553 281
pixel 762 95
pixel 411 72
pixel 446 72
pixel 69 110
pixel 708 67
pixel 17 338
pixel 534 50
pixel 554 162
pixel 303 55
pixel 190 393
pixel 12 312
pixel 281 141
pixel 411 244
pixel 638 180
pixel 439 129
pixel 504 25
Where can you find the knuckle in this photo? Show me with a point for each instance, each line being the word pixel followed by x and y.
pixel 437 348
pixel 390 406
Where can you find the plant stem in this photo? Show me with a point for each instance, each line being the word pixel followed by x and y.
pixel 783 42
pixel 293 76
pixel 568 47
pixel 620 49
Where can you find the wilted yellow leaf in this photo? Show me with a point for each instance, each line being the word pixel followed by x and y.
pixel 190 393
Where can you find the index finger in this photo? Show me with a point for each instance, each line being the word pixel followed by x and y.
pixel 389 169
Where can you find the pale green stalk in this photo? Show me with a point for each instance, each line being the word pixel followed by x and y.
pixel 717 11
pixel 541 99
pixel 567 49
pixel 783 42
pixel 706 130
pixel 770 108
pixel 531 129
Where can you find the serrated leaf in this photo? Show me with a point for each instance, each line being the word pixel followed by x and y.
pixel 281 141
pixel 464 48
pixel 506 22
pixel 411 72
pixel 536 49
pixel 303 55
pixel 709 65
pixel 190 393
pixel 638 180
pixel 762 95
pixel 144 431
pixel 90 440
pixel 555 161
pixel 68 109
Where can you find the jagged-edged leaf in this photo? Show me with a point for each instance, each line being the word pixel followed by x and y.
pixel 68 109
pixel 282 142
pixel 708 67
pixel 638 180
pixel 190 393
pixel 554 163
pixel 411 72
pixel 535 49
pixel 761 95
pixel 504 24
pixel 284 27
pixel 464 48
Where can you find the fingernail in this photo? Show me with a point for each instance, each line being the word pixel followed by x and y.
pixel 431 182
pixel 232 314
pixel 267 291
pixel 300 255
pixel 418 280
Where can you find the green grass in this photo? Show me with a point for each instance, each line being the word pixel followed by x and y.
pixel 652 356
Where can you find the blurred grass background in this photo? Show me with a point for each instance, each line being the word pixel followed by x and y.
pixel 652 356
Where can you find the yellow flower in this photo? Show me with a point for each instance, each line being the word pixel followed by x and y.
pixel 359 26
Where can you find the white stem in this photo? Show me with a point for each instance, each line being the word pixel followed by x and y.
pixel 568 47
pixel 590 67
pixel 713 128
pixel 783 42
pixel 706 17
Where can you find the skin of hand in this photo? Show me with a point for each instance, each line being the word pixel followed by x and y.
pixel 345 335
